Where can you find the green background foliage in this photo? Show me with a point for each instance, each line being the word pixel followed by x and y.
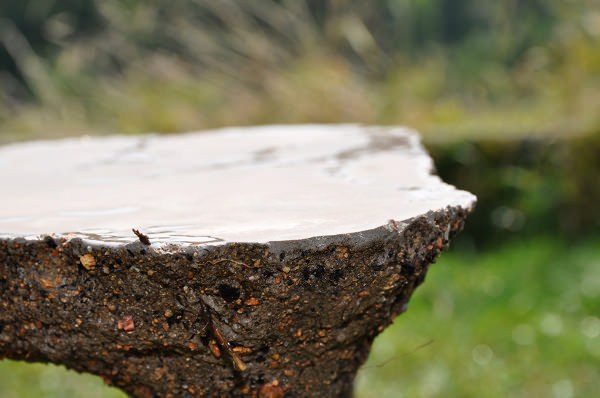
pixel 505 93
pixel 450 68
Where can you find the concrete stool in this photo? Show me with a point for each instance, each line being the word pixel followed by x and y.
pixel 256 262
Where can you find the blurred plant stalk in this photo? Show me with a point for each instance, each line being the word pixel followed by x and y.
pixel 478 69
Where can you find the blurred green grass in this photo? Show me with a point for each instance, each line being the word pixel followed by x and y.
pixel 24 380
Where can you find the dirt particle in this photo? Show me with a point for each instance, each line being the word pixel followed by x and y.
pixel 214 348
pixel 439 243
pixel 158 373
pixel 88 261
pixel 273 365
pixel 251 301
pixel 271 390
pixel 46 283
pixel 126 323
pixel 242 350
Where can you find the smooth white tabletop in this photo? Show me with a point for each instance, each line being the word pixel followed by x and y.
pixel 255 184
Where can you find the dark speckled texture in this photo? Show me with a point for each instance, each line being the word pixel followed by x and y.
pixel 302 315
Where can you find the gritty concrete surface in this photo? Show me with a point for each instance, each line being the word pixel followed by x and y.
pixel 263 263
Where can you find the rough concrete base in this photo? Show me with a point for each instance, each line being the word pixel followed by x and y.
pixel 292 318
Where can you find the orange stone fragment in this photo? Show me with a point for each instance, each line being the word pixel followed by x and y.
pixel 251 301
pixel 126 323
